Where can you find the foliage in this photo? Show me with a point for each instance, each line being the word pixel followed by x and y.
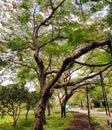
pixel 75 32
pixel 14 98
pixel 76 98
pixel 25 74
pixel 31 99
pixel 11 99
pixel 47 37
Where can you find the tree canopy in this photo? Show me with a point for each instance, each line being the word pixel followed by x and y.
pixel 50 40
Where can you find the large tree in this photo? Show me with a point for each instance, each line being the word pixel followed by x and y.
pixel 49 37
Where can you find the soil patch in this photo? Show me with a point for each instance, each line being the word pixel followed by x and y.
pixel 80 122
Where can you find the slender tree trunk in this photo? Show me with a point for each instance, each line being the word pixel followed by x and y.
pixel 82 104
pixel 2 113
pixel 27 113
pixel 63 110
pixel 14 121
pixel 40 114
pixel 16 114
pixel 49 110
pixel 63 105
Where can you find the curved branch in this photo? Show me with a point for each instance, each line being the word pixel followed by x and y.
pixel 51 72
pixel 82 79
pixel 53 39
pixel 92 65
pixel 22 63
pixel 50 16
pixel 74 56
pixel 49 65
pixel 51 4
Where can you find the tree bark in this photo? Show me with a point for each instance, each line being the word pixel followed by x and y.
pixel 63 105
pixel 64 101
pixel 40 109
pixel 14 122
pixel 2 113
pixel 15 115
pixel 40 114
pixel 49 110
pixel 27 114
pixel 63 111
pixel 82 104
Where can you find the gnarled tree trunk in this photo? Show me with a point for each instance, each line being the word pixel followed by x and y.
pixel 40 113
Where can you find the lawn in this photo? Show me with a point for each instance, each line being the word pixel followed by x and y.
pixel 100 123
pixel 53 122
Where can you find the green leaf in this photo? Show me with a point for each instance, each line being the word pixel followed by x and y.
pixel 23 17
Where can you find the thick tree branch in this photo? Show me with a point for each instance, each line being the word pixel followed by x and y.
pixel 51 72
pixel 35 36
pixel 79 86
pixel 74 90
pixel 74 56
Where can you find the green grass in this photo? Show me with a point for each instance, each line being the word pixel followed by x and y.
pixel 53 122
pixel 98 122
pixel 6 122
pixel 101 109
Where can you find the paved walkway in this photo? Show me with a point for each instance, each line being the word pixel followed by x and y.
pixel 102 114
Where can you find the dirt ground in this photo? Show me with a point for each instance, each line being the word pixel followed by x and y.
pixel 81 122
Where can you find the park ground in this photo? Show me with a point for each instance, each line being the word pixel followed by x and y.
pixel 75 121
pixel 80 121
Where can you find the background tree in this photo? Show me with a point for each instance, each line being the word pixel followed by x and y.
pixel 12 98
pixel 31 100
